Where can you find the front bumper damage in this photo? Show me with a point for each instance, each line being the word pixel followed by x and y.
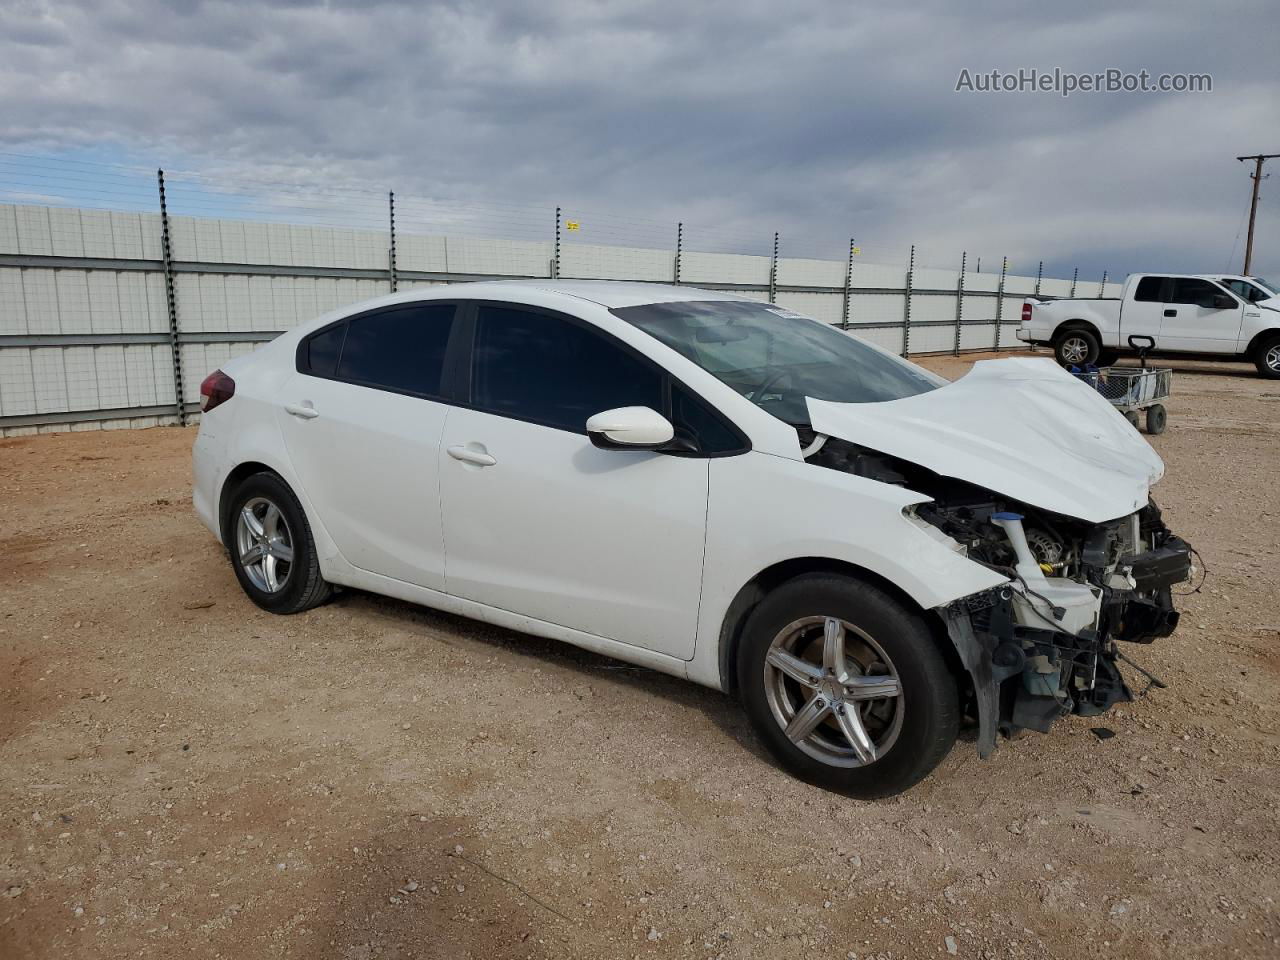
pixel 1028 667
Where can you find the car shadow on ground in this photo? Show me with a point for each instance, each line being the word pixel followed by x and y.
pixel 721 709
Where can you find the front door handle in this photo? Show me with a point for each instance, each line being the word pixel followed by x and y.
pixel 469 455
pixel 1171 313
pixel 304 410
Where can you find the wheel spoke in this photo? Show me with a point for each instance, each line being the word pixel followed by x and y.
pixel 871 688
pixel 282 552
pixel 251 521
pixel 850 723
pixel 801 671
pixel 271 520
pixel 833 647
pixel 252 555
pixel 806 718
pixel 269 572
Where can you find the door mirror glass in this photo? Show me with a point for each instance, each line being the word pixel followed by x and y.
pixel 630 428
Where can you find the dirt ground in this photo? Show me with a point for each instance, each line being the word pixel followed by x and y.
pixel 183 775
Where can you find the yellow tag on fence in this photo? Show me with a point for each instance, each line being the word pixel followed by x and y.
pixel 571 224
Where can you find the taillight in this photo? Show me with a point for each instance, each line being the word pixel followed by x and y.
pixel 1026 313
pixel 216 388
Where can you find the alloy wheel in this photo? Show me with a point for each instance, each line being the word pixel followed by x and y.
pixel 833 691
pixel 264 544
pixel 1272 358
pixel 1074 350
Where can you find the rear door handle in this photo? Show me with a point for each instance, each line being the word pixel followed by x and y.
pixel 304 410
pixel 1171 313
pixel 468 455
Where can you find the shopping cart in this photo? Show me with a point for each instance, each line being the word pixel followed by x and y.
pixel 1130 389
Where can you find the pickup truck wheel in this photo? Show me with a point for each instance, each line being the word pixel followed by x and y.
pixel 1076 348
pixel 1268 359
pixel 846 687
pixel 1107 358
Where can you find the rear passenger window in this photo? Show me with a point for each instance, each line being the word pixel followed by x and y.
pixel 401 349
pixel 542 368
pixel 1150 290
pixel 319 355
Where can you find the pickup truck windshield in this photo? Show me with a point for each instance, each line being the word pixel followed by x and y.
pixel 775 358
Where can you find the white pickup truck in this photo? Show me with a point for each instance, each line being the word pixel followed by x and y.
pixel 1205 316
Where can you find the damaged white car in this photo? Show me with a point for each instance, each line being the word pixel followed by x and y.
pixel 713 487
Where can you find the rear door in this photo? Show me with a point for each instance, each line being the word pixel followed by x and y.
pixel 1141 314
pixel 362 420
pixel 1192 321
pixel 539 521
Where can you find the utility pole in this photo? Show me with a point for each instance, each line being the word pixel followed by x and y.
pixel 1257 158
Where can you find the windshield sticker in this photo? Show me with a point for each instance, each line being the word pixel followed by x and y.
pixel 785 313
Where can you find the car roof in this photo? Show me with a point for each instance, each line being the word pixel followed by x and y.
pixel 606 293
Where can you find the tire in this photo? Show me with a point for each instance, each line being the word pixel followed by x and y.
pixel 903 735
pixel 1108 358
pixel 1076 347
pixel 273 582
pixel 1157 417
pixel 1132 417
pixel 1267 358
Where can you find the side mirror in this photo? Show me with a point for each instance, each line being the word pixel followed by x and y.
pixel 630 428
pixel 1222 302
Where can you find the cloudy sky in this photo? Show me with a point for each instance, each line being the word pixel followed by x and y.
pixel 820 120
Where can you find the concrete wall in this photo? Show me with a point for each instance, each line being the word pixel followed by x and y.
pixel 86 342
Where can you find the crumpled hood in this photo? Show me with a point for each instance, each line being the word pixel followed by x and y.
pixel 1020 426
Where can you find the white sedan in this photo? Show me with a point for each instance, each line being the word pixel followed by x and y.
pixel 715 488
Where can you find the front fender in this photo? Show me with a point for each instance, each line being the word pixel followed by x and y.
pixel 764 510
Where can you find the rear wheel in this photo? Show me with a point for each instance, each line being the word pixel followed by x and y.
pixel 1076 348
pixel 1107 358
pixel 1267 358
pixel 271 547
pixel 845 686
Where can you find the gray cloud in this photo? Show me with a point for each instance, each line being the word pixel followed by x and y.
pixel 822 120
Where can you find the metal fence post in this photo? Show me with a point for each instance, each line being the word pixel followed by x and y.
pixel 1004 268
pixel 1102 289
pixel 172 297
pixel 555 262
pixel 906 315
pixel 1039 277
pixel 960 302
pixel 848 289
pixel 679 250
pixel 391 253
pixel 773 272
pixel 1075 275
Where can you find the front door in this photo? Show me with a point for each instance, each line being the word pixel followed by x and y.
pixel 1193 322
pixel 540 522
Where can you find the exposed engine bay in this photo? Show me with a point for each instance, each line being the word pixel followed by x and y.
pixel 1046 643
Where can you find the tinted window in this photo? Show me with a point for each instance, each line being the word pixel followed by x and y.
pixel 694 421
pixel 1149 290
pixel 401 349
pixel 320 352
pixel 1194 290
pixel 539 367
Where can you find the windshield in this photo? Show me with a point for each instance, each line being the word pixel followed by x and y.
pixel 775 358
pixel 1271 288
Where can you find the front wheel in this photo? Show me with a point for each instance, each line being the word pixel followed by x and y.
pixel 846 687
pixel 1267 359
pixel 1076 348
